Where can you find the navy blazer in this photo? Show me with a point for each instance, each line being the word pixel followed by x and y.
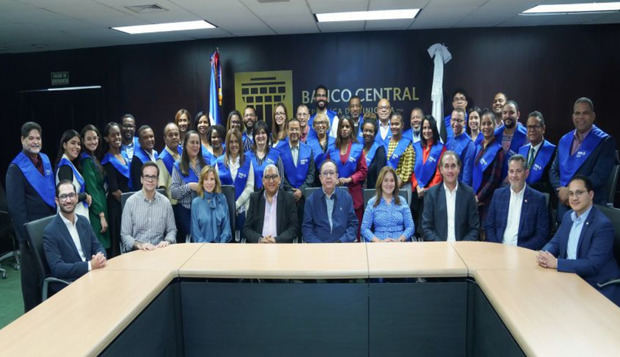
pixel 315 227
pixel 62 256
pixel 595 261
pixel 435 214
pixel 533 224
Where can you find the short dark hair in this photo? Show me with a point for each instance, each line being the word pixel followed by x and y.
pixel 586 181
pixel 538 115
pixel 459 110
pixel 128 116
pixel 320 86
pixel 373 122
pixel 453 154
pixel 459 90
pixel 586 100
pixel 513 102
pixel 28 127
pixel 520 158
pixel 149 164
pixel 64 182
pixel 143 128
pixel 489 112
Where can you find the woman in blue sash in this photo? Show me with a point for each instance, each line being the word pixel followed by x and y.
pixel 94 179
pixel 348 155
pixel 184 183
pixel 387 217
pixel 202 127
pixel 474 124
pixel 66 169
pixel 488 162
pixel 235 121
pixel 235 168
pixel 373 152
pixel 116 166
pixel 278 124
pixel 262 154
pixel 321 143
pixel 426 174
pixel 210 221
pixel 215 141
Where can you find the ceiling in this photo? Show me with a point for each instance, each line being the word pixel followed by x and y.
pixel 47 25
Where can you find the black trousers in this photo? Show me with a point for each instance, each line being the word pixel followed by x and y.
pixel 31 280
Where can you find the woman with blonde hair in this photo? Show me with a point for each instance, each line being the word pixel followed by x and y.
pixel 210 221
pixel 387 217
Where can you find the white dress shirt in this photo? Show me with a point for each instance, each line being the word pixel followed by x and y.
pixel 384 129
pixel 511 233
pixel 451 211
pixel 75 236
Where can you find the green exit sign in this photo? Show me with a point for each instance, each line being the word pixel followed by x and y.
pixel 60 78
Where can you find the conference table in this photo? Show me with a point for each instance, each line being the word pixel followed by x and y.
pixel 417 298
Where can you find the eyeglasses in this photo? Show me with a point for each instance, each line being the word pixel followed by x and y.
pixel 149 177
pixel 384 107
pixel 66 196
pixel 270 177
pixel 328 173
pixel 576 193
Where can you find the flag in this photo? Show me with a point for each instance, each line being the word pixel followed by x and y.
pixel 215 90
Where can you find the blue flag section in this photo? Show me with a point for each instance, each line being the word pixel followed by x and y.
pixel 215 90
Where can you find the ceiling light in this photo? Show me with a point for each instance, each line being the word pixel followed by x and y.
pixel 165 27
pixel 367 15
pixel 573 8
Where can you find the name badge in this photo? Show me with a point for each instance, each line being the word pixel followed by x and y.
pixel 580 154
pixel 351 159
pixel 242 175
pixel 483 161
pixel 537 167
pixel 431 159
pixel 48 172
pixel 303 161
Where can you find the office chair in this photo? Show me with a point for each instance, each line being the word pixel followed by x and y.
pixel 6 229
pixel 368 194
pixel 34 231
pixel 614 216
pixel 612 183
pixel 229 192
pixel 309 191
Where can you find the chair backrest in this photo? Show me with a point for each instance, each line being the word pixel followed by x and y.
pixel 309 190
pixel 368 194
pixel 229 192
pixel 614 216
pixel 126 195
pixel 612 183
pixel 34 230
pixel 4 206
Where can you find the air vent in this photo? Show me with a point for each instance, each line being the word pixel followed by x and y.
pixel 145 9
pixel 268 1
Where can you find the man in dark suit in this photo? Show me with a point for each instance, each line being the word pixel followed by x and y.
pixel 450 210
pixel 518 214
pixel 584 242
pixel 272 216
pixel 69 243
pixel 30 196
pixel 587 151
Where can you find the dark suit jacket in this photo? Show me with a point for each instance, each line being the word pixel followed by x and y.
pixel 435 215
pixel 595 262
pixel 61 254
pixel 315 227
pixel 287 224
pixel 533 224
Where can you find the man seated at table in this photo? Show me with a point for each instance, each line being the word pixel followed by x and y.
pixel 518 214
pixel 69 240
pixel 584 242
pixel 148 220
pixel 272 216
pixel 328 212
pixel 450 211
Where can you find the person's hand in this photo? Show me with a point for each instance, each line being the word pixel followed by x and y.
pixel 145 246
pixel 375 239
pixel 547 260
pixel 104 224
pixel 420 190
pixel 88 199
pixel 163 244
pixel 193 186
pixel 388 240
pixel 116 194
pixel 402 239
pixel 97 261
pixel 267 239
pixel 563 195
pixel 297 194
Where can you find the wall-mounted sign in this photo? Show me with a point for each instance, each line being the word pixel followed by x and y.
pixel 60 78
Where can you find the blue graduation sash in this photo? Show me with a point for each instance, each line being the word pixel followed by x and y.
pixel 271 158
pixel 242 174
pixel 142 156
pixel 381 141
pixel 167 159
pixel 191 175
pixel 458 144
pixel 42 184
pixel 569 164
pixel 479 139
pixel 398 151
pixel 543 156
pixel 348 168
pixel 78 176
pixel 447 122
pixel 360 134
pixel 122 169
pixel 424 171
pixel 311 133
pixel 209 157
pixel 484 162
pixel 296 175
pixel 317 151
pixel 518 139
pixel 370 155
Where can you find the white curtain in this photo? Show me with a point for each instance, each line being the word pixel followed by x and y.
pixel 442 56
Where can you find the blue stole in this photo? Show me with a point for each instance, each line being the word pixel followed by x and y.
pixel 311 133
pixel 360 122
pixel 543 156
pixel 569 164
pixel 424 171
pixel 122 169
pixel 317 151
pixel 191 175
pixel 458 144
pixel 271 158
pixel 447 122
pixel 518 139
pixel 296 175
pixel 370 155
pixel 479 139
pixel 481 165
pixel 348 168
pixel 42 184
pixel 380 140
pixel 78 176
pixel 136 146
pixel 142 156
pixel 242 174
pixel 408 134
pixel 209 157
pixel 398 151
pixel 167 159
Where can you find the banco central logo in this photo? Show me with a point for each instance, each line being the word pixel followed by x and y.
pixel 263 90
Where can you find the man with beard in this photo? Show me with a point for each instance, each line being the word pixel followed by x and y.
pixel 249 118
pixel 459 101
pixel 303 114
pixel 512 135
pixel 69 243
pixel 499 100
pixel 142 154
pixel 356 113
pixel 128 132
pixel 321 100
pixel 415 122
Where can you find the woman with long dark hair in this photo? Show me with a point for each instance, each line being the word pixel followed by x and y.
pixel 67 169
pixel 279 125
pixel 202 123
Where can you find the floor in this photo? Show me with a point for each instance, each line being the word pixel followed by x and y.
pixel 11 304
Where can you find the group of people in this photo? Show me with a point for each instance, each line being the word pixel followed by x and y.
pixel 473 175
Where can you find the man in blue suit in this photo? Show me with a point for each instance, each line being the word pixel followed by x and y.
pixel 584 242
pixel 328 213
pixel 518 214
pixel 69 243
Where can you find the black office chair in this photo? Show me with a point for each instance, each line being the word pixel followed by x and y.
pixel 229 192
pixel 35 230
pixel 612 183
pixel 614 216
pixel 368 194
pixel 308 191
pixel 126 195
pixel 6 230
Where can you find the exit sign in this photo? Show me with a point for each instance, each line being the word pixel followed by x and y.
pixel 60 78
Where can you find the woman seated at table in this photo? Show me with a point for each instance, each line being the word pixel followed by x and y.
pixel 210 222
pixel 387 217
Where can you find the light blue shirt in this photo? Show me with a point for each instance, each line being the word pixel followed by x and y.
pixel 575 233
pixel 329 202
